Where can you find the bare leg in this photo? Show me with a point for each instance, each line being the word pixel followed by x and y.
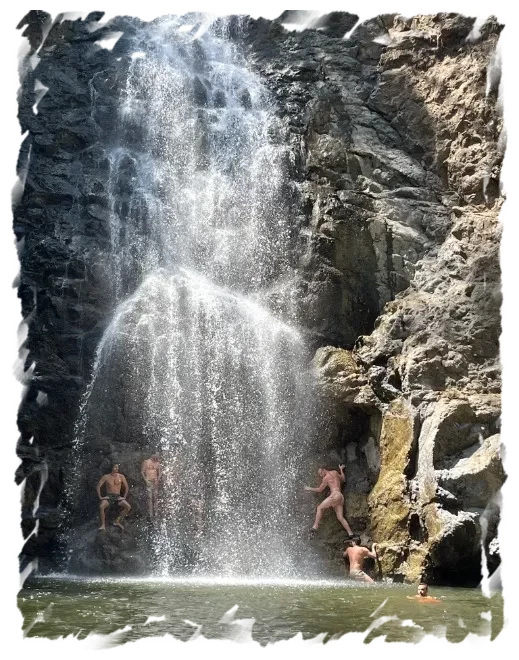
pixel 102 508
pixel 340 517
pixel 325 504
pixel 150 501
pixel 125 510
pixel 154 496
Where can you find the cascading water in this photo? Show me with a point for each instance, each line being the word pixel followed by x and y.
pixel 208 185
pixel 203 371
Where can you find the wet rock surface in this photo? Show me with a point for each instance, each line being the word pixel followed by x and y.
pixel 435 343
pixel 395 152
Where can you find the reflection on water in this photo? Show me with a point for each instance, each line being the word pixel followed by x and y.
pixel 267 611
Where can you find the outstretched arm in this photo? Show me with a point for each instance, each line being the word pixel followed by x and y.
pixel 341 473
pixel 143 469
pixel 317 490
pixel 98 487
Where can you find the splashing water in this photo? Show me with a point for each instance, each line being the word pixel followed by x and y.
pixel 193 363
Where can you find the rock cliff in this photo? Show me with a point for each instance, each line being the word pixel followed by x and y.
pixel 395 151
pixel 397 156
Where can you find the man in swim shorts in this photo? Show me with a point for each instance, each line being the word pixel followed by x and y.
pixel 333 480
pixel 356 554
pixel 113 483
pixel 150 471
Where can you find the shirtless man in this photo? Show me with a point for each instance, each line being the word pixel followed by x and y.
pixel 150 472
pixel 333 480
pixel 356 554
pixel 422 596
pixel 113 483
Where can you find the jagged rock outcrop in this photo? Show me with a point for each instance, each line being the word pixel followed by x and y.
pixel 372 206
pixel 434 349
pixel 393 161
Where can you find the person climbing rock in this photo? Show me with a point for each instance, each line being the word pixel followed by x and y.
pixel 356 554
pixel 151 473
pixel 422 595
pixel 333 480
pixel 113 483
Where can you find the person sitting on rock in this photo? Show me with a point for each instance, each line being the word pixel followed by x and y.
pixel 113 483
pixel 422 595
pixel 356 554
pixel 150 471
pixel 333 480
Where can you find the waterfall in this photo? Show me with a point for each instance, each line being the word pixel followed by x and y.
pixel 208 186
pixel 195 363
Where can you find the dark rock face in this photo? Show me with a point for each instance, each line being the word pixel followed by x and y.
pixel 371 206
pixel 395 157
pixel 60 224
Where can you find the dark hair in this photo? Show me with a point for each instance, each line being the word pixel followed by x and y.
pixel 354 540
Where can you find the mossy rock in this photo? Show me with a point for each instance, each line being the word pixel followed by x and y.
pixel 389 501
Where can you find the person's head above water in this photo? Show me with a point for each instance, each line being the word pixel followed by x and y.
pixel 422 589
pixel 115 467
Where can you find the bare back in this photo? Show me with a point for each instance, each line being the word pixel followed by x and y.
pixel 356 556
pixel 333 481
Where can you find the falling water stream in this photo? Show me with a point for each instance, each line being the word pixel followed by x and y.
pixel 202 361
pixel 211 376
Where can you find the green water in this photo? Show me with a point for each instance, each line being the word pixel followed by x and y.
pixel 54 607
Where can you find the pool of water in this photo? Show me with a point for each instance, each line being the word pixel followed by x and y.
pixel 265 611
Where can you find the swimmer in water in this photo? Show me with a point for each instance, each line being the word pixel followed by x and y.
pixel 422 596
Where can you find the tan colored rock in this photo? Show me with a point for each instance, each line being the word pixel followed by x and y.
pixel 340 378
pixel 356 507
pixel 389 501
pixel 390 557
pixel 331 362
pixel 477 475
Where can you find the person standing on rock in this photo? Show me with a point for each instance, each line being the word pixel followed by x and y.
pixel 113 483
pixel 356 554
pixel 151 474
pixel 333 480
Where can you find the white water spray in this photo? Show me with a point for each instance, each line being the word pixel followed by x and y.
pixel 194 364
